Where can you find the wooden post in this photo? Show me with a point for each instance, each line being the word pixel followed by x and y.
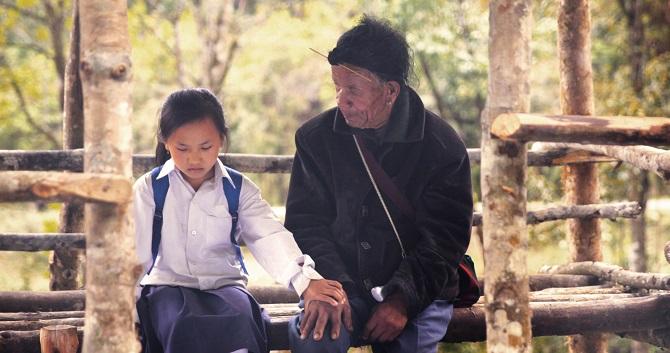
pixel 503 170
pixel 59 339
pixel 580 181
pixel 105 71
pixel 64 262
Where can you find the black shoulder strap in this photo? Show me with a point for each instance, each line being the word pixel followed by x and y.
pixel 385 183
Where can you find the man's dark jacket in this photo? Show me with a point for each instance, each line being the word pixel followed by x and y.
pixel 337 218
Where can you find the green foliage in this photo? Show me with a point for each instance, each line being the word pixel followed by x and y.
pixel 22 270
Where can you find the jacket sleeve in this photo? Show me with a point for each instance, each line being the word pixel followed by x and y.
pixel 310 211
pixel 443 218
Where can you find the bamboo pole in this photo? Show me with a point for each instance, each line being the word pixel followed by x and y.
pixel 111 273
pixel 57 186
pixel 503 170
pixel 643 157
pixel 574 127
pixel 581 181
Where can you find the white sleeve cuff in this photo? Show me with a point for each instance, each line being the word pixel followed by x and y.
pixel 304 272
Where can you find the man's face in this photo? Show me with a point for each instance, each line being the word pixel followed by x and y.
pixel 364 100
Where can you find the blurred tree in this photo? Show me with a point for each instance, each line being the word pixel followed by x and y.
pixel 32 33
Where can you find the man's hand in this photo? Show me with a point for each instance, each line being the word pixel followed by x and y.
pixel 324 290
pixel 318 314
pixel 387 321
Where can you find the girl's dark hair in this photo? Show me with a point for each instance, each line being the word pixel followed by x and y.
pixel 187 106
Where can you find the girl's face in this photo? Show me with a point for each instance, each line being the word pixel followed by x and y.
pixel 194 148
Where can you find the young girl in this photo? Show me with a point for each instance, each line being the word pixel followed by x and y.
pixel 193 292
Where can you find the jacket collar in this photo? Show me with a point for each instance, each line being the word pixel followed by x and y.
pixel 406 123
pixel 219 171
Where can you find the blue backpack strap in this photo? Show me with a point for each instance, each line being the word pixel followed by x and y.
pixel 232 192
pixel 160 188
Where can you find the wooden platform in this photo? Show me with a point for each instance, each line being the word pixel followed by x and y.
pixel 555 312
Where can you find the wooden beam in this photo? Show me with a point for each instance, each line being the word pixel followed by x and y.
pixel 540 282
pixel 51 241
pixel 57 186
pixel 468 325
pixel 653 159
pixel 603 130
pixel 613 273
pixel 38 301
pixel 503 181
pixel 59 338
pixel 72 160
pixel 20 301
pixel 65 262
pixel 610 211
pixel 28 325
pixel 580 181
pixel 68 300
pixel 41 315
pixel 41 241
pixel 658 337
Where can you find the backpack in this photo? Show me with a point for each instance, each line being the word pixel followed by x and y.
pixel 469 290
pixel 160 188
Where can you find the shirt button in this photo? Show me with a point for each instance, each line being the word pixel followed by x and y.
pixel 365 245
pixel 194 232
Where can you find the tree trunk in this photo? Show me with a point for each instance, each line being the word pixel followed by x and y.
pixel 64 263
pixel 111 274
pixel 580 181
pixel 503 181
pixel 639 183
pixel 639 190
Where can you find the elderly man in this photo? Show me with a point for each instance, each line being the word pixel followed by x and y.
pixel 391 230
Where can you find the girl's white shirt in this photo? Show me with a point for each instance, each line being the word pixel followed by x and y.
pixel 195 249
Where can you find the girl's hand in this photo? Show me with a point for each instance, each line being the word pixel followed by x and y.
pixel 324 290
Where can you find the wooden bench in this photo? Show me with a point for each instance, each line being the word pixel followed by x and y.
pixel 581 305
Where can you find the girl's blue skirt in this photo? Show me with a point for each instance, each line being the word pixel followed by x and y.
pixel 187 320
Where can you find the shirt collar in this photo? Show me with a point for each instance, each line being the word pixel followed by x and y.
pixel 406 123
pixel 219 170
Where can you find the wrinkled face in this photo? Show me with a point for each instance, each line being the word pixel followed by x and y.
pixel 364 100
pixel 194 148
